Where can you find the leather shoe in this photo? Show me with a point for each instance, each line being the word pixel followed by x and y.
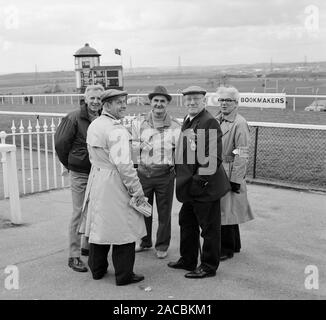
pixel 134 279
pixel 77 264
pixel 226 256
pixel 99 275
pixel 180 265
pixel 200 273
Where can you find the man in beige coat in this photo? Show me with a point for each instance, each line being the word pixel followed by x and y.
pixel 235 208
pixel 113 181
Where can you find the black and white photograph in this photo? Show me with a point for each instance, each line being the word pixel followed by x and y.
pixel 163 155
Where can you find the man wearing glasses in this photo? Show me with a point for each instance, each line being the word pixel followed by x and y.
pixel 200 183
pixel 235 208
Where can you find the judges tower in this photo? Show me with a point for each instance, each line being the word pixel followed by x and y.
pixel 89 71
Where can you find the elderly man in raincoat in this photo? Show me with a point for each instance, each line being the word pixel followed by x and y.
pixel 235 208
pixel 113 181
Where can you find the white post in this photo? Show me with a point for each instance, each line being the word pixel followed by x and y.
pixel 4 165
pixel 37 128
pixel 13 131
pixel 29 128
pixel 45 127
pixel 53 155
pixel 22 147
pixel 293 103
pixel 15 210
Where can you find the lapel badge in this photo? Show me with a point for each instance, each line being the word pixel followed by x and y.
pixel 192 145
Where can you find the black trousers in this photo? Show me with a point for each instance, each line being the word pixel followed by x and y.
pixel 123 258
pixel 163 188
pixel 206 216
pixel 230 239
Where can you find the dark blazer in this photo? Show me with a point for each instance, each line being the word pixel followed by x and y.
pixel 70 140
pixel 197 179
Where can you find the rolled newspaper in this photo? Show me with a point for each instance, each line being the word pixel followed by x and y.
pixel 144 208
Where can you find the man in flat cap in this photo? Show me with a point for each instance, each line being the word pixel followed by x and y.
pixel 113 181
pixel 154 140
pixel 200 183
pixel 70 145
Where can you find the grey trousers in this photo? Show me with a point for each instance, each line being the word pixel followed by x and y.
pixel 163 188
pixel 78 183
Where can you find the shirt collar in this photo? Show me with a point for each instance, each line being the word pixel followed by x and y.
pixel 231 116
pixel 165 122
pixel 108 114
pixel 192 118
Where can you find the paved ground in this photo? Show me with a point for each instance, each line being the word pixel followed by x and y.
pixel 287 235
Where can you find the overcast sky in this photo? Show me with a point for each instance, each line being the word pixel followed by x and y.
pixel 156 32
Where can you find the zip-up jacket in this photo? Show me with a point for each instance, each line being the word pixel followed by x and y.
pixel 70 140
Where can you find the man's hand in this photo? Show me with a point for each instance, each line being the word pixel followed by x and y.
pixel 235 187
pixel 140 199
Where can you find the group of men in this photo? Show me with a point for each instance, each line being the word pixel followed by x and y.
pixel 206 156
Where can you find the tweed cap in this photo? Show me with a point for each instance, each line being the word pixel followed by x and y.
pixel 193 90
pixel 112 93
pixel 159 91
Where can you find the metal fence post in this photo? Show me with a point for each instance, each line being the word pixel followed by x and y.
pixel 293 103
pixel 255 153
pixel 3 135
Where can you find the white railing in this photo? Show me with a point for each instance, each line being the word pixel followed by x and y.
pixel 40 98
pixel 35 146
pixel 294 96
pixel 74 98
pixel 34 143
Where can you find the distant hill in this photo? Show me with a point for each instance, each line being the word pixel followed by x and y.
pixel 64 81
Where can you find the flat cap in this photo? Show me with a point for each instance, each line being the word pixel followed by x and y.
pixel 111 93
pixel 193 90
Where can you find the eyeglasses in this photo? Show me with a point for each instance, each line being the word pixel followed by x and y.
pixel 226 100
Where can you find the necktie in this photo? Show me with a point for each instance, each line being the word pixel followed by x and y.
pixel 186 123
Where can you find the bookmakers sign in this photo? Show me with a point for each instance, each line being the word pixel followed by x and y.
pixel 263 100
pixel 255 100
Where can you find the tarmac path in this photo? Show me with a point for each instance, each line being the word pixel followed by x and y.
pixel 288 234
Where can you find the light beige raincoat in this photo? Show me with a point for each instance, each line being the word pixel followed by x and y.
pixel 235 208
pixel 108 217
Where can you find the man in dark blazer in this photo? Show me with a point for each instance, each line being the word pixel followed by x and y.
pixel 200 183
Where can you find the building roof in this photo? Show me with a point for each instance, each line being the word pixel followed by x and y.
pixel 107 67
pixel 86 51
